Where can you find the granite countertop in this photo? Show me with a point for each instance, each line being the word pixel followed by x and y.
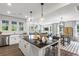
pixel 40 45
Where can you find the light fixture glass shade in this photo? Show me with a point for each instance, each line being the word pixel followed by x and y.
pixel 29 19
pixel 42 19
pixel 61 23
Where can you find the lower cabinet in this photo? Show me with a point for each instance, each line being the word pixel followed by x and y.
pixel 25 47
pixel 14 39
pixel 29 49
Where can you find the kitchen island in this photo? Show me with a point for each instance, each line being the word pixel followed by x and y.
pixel 30 48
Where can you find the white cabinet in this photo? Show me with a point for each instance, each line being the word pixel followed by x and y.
pixel 14 39
pixel 29 49
pixel 25 47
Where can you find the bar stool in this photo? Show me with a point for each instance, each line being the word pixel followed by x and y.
pixel 47 51
pixel 54 49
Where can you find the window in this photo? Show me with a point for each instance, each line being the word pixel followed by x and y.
pixel 77 27
pixel 14 26
pixel 5 25
pixel 21 26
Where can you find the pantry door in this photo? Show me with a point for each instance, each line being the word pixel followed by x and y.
pixel 68 31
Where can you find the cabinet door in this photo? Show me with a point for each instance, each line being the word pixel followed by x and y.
pixel 26 48
pixel 21 44
pixel 14 39
pixel 68 31
pixel 17 38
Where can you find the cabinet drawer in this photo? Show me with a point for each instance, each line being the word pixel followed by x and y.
pixel 14 39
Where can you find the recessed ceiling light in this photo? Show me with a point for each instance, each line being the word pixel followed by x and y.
pixel 8 12
pixel 9 4
pixel 25 16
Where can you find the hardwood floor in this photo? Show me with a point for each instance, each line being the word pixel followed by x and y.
pixel 12 50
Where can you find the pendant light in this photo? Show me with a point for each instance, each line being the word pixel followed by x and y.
pixel 30 18
pixel 42 11
pixel 61 26
pixel 61 23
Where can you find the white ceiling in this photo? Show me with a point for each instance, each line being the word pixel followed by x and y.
pixel 68 13
pixel 22 9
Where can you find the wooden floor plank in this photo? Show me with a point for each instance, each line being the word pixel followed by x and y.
pixel 12 50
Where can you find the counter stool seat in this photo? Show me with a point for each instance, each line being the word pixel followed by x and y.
pixel 54 49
